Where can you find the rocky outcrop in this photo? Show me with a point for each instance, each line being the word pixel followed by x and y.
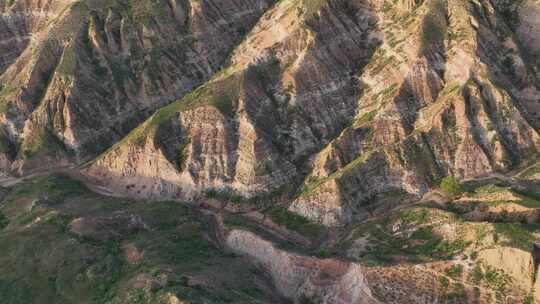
pixel 96 71
pixel 340 98
pixel 106 228
pixel 304 279
pixel 196 149
pixel 342 104
pixel 342 111
pixel 251 127
pixel 19 23
pixel 445 105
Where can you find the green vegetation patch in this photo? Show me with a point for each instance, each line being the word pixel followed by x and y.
pixel 434 25
pixel 221 94
pixel 41 141
pixel 409 234
pixel 225 195
pixel 419 216
pixel 422 245
pixel 43 262
pixel 53 188
pixel 498 281
pixel 454 271
pixel 365 118
pixel 313 184
pixel 68 61
pixel 293 221
pixel 515 235
pixel 450 185
pixel 531 171
pixel 522 197
pixel 143 11
pixel 5 91
pixel 494 279
pixel 4 221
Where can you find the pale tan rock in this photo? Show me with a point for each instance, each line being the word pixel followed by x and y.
pixel 87 87
pixel 517 263
pixel 298 277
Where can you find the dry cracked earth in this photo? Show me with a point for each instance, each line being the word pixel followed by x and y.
pixel 269 151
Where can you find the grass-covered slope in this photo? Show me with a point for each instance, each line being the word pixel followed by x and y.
pixel 61 243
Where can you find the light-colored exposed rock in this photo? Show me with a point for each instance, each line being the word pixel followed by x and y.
pixel 431 111
pixel 517 263
pixel 353 99
pixel 537 285
pixel 301 278
pixel 285 95
pixel 113 227
pixel 431 98
pixel 19 23
pixel 132 254
pixel 95 71
pixel 211 153
pixel 172 299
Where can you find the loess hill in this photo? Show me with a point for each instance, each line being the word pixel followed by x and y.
pixel 269 151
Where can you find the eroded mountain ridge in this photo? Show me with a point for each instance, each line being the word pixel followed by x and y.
pixel 344 114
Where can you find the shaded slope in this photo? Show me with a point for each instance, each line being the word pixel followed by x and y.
pixel 251 128
pixel 99 68
pixel 371 101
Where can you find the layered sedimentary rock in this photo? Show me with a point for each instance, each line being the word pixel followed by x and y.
pixel 97 69
pixel 289 89
pixel 449 98
pixel 20 21
pixel 304 279
pixel 346 112
pixel 339 103
pixel 366 98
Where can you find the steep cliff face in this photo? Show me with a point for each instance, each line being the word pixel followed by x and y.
pixel 19 23
pixel 196 144
pixel 354 151
pixel 289 89
pixel 355 100
pixel 450 94
pixel 97 69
